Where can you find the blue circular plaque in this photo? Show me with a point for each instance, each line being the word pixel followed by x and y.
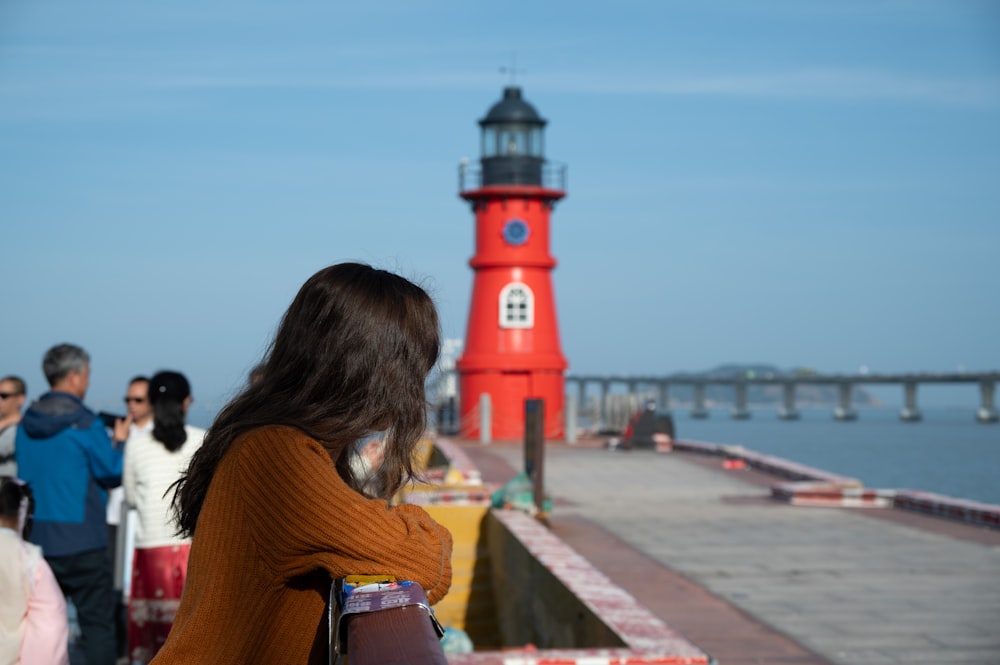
pixel 516 232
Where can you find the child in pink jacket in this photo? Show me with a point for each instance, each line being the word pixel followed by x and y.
pixel 33 624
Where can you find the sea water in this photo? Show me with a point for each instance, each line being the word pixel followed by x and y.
pixel 947 452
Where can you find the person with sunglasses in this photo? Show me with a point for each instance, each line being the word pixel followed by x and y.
pixel 140 420
pixel 12 394
pixel 137 405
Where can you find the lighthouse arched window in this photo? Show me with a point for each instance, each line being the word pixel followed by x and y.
pixel 517 306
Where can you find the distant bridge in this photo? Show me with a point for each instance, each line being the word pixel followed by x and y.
pixel 986 413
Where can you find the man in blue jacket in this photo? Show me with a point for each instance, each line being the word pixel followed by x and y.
pixel 65 454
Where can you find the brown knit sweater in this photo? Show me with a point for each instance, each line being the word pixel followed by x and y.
pixel 277 525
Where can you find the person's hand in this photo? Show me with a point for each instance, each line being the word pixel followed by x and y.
pixel 372 451
pixel 122 426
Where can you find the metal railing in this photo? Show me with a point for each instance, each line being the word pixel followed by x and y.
pixel 470 176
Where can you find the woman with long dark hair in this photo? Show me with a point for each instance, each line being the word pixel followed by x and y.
pixel 155 460
pixel 271 500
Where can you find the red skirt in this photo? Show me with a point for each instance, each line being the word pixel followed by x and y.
pixel 158 575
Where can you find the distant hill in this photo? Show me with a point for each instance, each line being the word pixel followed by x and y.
pixel 767 395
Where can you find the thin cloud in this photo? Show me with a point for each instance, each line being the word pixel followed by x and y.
pixel 847 85
pixel 359 67
pixel 815 84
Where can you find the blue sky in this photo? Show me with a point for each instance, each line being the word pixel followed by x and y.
pixel 803 183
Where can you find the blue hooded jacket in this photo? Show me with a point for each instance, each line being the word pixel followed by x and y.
pixel 65 454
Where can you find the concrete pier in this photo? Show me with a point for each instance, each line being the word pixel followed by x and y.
pixel 753 580
pixel 740 410
pixel 788 410
pixel 987 412
pixel 699 410
pixel 910 413
pixel 845 411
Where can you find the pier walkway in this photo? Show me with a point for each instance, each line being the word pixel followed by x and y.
pixel 753 580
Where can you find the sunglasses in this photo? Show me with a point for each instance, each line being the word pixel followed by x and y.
pixel 137 400
pixel 9 395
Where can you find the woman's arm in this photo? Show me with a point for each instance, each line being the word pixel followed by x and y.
pixel 303 516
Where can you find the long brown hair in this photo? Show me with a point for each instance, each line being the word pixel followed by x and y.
pixel 351 355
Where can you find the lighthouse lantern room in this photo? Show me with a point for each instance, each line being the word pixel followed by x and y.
pixel 512 350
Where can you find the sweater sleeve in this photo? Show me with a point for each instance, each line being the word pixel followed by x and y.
pixel 303 516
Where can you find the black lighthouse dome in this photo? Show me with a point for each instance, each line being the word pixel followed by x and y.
pixel 512 109
pixel 512 149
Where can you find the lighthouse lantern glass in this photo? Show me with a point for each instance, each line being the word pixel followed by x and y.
pixel 512 140
pixel 489 145
pixel 536 147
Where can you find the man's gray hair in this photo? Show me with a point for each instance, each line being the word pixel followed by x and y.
pixel 62 359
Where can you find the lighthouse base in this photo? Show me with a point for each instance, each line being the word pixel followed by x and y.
pixel 507 392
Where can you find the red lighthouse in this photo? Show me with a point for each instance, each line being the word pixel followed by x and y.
pixel 512 349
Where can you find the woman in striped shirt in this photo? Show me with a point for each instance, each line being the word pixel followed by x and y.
pixel 153 462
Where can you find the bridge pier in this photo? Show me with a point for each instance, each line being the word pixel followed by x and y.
pixel 845 412
pixel 910 413
pixel 572 418
pixel 740 410
pixel 608 410
pixel 788 410
pixel 699 410
pixel 663 403
pixel 605 385
pixel 987 413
